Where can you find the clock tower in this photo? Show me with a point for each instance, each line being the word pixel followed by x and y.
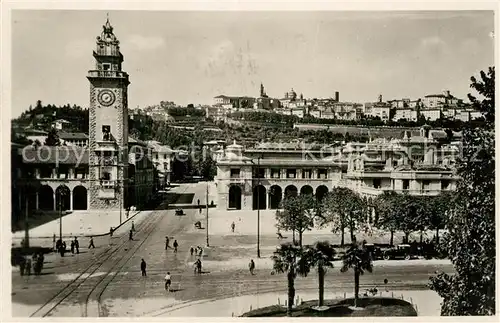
pixel 108 125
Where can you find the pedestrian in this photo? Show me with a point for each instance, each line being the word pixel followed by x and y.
pixel 191 251
pixel 143 267
pixel 22 265
pixel 91 243
pixel 63 248
pixel 130 235
pixel 200 209
pixel 175 246
pixel 72 246
pixel 233 226
pixel 27 269
pixel 54 248
pixel 77 246
pixel 111 232
pixel 166 242
pixel 168 281
pixel 251 266
pixel 200 252
pixel 133 226
pixel 58 245
pixel 198 202
pixel 197 266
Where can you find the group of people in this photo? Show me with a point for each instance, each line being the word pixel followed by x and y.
pixel 60 246
pixel 167 244
pixel 36 261
pixel 198 251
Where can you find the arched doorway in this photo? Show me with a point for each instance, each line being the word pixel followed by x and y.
pixel 275 196
pixel 321 191
pixel 235 197
pixel 46 198
pixel 306 190
pixel 63 198
pixel 79 198
pixel 291 191
pixel 259 197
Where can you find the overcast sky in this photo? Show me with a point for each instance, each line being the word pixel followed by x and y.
pixel 190 57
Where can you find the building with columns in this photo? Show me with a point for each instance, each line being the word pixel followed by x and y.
pixel 112 172
pixel 260 178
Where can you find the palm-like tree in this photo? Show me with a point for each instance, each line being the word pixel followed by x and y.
pixel 321 255
pixel 358 258
pixel 286 259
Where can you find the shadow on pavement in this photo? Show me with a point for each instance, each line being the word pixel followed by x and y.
pixel 37 219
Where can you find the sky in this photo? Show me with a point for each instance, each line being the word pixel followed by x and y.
pixel 190 57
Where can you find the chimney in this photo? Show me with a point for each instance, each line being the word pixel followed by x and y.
pixel 336 96
pixel 447 93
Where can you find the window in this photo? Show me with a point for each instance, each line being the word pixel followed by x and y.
pixel 235 173
pixel 377 183
pixel 445 184
pixel 106 132
pixel 425 185
pixel 322 173
pixel 406 184
pixel 106 176
pixel 259 173
pixel 106 66
pixel 275 173
pixel 306 173
pixel 291 173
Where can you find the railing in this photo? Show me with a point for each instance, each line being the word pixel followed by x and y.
pixel 113 74
pixel 107 183
pixel 377 191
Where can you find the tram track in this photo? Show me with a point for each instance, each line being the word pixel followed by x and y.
pixel 60 299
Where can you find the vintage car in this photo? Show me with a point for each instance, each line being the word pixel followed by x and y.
pixel 402 251
pixel 375 251
pixel 179 212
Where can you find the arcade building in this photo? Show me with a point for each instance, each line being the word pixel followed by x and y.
pixel 113 172
pixel 260 177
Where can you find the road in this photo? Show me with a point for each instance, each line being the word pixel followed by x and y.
pixel 87 284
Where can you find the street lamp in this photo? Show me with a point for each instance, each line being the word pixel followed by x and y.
pixel 62 193
pixel 258 203
pixel 208 245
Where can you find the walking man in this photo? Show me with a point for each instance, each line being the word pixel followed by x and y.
pixel 73 246
pixel 77 246
pixel 91 243
pixel 251 266
pixel 168 281
pixel 111 232
pixel 166 242
pixel 175 246
pixel 143 267
pixel 54 243
pixel 191 250
pixel 232 227
pixel 133 227
pixel 130 235
pixel 197 267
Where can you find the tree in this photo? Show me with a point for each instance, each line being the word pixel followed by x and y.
pixel 287 259
pixel 439 210
pixel 471 239
pixel 387 208
pixel 52 138
pixel 298 214
pixel 358 258
pixel 320 255
pixel 343 208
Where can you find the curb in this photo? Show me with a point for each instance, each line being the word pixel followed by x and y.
pixel 82 235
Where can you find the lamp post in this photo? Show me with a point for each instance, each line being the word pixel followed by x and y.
pixel 208 245
pixel 258 204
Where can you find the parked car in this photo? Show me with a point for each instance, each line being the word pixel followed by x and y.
pixel 402 251
pixel 179 212
pixel 375 251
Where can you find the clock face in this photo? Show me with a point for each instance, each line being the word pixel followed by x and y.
pixel 106 97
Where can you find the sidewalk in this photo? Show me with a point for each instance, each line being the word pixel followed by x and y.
pixel 246 224
pixel 83 223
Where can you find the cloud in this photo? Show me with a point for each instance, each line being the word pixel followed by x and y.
pixel 225 58
pixel 145 42
pixel 431 41
pixel 78 48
